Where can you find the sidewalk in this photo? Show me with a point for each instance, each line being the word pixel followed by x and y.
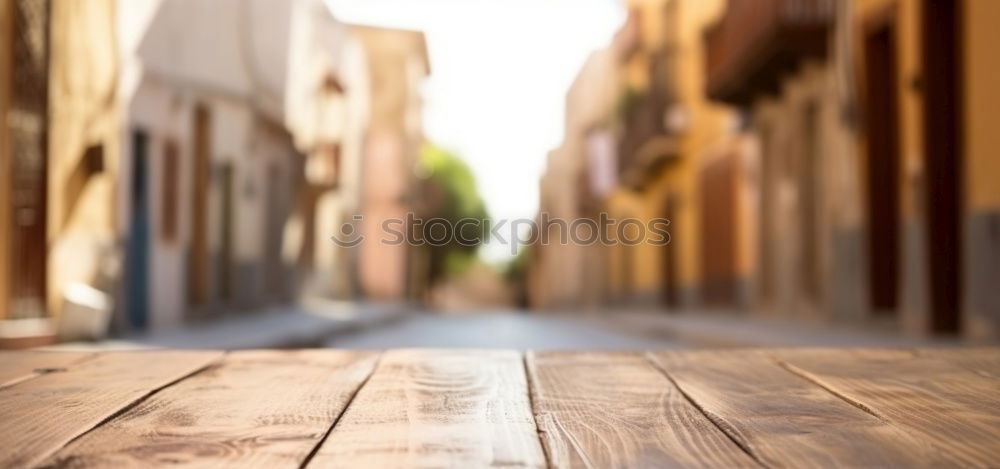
pixel 740 329
pixel 308 324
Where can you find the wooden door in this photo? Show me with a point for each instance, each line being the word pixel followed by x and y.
pixel 27 121
pixel 137 255
pixel 669 259
pixel 225 262
pixel 882 137
pixel 943 158
pixel 198 293
pixel 718 231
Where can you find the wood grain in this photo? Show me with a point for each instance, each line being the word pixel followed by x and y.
pixel 462 408
pixel 953 408
pixel 784 420
pixel 42 414
pixel 254 409
pixel 610 409
pixel 984 361
pixel 16 367
pixel 437 408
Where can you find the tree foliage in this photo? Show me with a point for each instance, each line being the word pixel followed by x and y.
pixel 450 192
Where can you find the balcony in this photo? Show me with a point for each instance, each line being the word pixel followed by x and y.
pixel 756 42
pixel 646 143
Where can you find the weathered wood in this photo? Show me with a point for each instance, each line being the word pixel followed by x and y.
pixel 618 410
pixel 437 408
pixel 784 420
pixel 254 409
pixel 984 361
pixel 42 414
pixel 460 408
pixel 954 409
pixel 16 367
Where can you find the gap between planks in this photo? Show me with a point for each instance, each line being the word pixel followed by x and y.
pixel 534 409
pixel 782 419
pixel 719 423
pixel 615 409
pixel 336 420
pixel 438 407
pixel 254 408
pixel 131 405
pixel 947 397
pixel 981 367
pixel 47 412
pixel 33 364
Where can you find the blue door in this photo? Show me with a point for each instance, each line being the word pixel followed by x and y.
pixel 137 268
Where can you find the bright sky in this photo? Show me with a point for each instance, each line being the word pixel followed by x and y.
pixel 500 70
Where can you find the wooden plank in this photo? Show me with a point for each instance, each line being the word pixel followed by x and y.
pixel 618 410
pixel 16 367
pixel 42 414
pixel 437 408
pixel 955 409
pixel 784 420
pixel 254 409
pixel 984 361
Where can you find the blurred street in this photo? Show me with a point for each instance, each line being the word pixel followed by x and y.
pixel 633 330
pixel 247 173
pixel 422 233
pixel 497 329
pixel 321 323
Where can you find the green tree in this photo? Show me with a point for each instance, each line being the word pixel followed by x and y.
pixel 450 193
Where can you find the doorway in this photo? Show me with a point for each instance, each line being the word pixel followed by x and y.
pixel 718 231
pixel 882 129
pixel 669 259
pixel 137 282
pixel 225 263
pixel 198 253
pixel 27 150
pixel 943 158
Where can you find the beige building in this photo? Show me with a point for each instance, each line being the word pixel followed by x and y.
pixel 238 133
pixel 579 174
pixel 60 155
pixel 644 143
pixel 398 63
pixel 683 161
pixel 175 158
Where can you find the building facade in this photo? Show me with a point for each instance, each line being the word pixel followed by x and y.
pixel 59 152
pixel 579 173
pixel 397 63
pixel 644 143
pixel 171 160
pixel 872 131
pixel 235 144
pixel 817 159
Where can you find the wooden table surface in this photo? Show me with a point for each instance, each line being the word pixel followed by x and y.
pixel 478 408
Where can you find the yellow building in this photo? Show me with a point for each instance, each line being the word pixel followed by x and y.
pixel 674 144
pixel 877 200
pixel 570 274
pixel 980 300
pixel 59 154
pixel 817 159
pixel 671 151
